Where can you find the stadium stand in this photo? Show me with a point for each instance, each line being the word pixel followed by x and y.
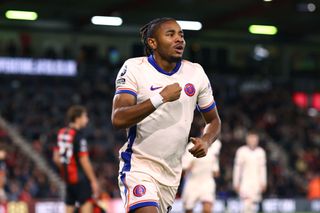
pixel 35 106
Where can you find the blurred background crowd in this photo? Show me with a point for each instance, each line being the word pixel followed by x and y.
pixel 250 97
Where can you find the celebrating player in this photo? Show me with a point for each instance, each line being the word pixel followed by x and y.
pixel 155 99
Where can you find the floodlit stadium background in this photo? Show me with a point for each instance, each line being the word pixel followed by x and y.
pixel 262 57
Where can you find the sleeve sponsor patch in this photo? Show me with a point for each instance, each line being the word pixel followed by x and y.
pixel 121 81
pixel 123 71
pixel 83 145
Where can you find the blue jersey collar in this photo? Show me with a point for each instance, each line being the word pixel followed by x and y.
pixel 159 69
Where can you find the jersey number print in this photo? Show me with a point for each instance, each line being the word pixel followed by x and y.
pixel 66 151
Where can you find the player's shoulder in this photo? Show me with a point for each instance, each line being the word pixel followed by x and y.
pixel 192 65
pixel 193 69
pixel 66 133
pixel 132 65
pixel 79 133
pixel 66 130
pixel 261 150
pixel 61 130
pixel 243 148
pixel 136 61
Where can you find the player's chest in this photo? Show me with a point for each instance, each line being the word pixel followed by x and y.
pixel 252 158
pixel 149 85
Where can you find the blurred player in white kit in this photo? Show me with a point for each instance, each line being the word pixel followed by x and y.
pixel 200 172
pixel 250 173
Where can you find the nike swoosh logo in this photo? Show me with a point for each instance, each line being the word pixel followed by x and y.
pixel 154 88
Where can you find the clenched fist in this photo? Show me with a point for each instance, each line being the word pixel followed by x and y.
pixel 200 147
pixel 171 92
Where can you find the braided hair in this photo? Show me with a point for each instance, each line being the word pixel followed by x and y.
pixel 148 30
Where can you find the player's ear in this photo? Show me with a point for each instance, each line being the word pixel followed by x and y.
pixel 152 43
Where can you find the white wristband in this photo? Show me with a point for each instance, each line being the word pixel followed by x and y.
pixel 156 100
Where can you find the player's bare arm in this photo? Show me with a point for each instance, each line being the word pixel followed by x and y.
pixel 210 134
pixel 263 188
pixel 56 159
pixel 87 167
pixel 237 189
pixel 126 112
pixel 216 174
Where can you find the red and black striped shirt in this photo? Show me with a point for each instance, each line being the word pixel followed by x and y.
pixel 71 145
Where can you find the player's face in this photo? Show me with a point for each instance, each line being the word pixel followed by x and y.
pixel 252 140
pixel 169 41
pixel 84 119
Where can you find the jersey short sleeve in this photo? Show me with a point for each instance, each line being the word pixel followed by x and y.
pixel 126 81
pixel 83 147
pixel 205 98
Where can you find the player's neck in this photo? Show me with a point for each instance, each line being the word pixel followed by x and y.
pixel 252 147
pixel 164 64
pixel 75 126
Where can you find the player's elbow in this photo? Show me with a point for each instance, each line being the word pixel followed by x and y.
pixel 57 162
pixel 117 122
pixel 56 159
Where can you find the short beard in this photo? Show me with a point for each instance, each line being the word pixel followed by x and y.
pixel 172 59
pixel 169 58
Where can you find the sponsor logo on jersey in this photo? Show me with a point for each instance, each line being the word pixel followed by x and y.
pixel 152 88
pixel 189 89
pixel 124 70
pixel 139 190
pixel 121 81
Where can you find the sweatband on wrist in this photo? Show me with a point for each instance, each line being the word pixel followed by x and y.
pixel 156 100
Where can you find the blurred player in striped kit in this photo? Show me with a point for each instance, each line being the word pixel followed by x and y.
pixel 71 156
pixel 250 173
pixel 200 173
